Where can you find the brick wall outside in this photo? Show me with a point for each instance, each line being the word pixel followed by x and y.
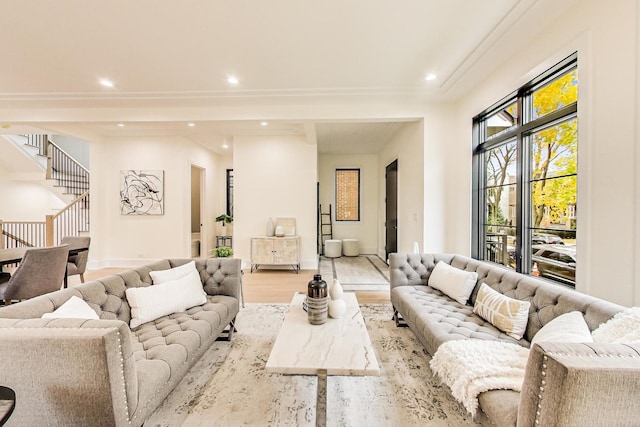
pixel 347 194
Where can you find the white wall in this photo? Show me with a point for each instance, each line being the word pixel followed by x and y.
pixel 24 200
pixel 120 240
pixel 407 146
pixel 365 230
pixel 274 176
pixel 605 35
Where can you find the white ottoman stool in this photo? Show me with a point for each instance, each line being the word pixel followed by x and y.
pixel 350 247
pixel 333 248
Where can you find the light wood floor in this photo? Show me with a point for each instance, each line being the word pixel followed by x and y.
pixel 263 286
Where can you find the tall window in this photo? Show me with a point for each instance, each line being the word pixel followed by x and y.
pixel 525 172
pixel 347 194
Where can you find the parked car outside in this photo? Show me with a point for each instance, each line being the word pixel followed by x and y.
pixel 536 239
pixel 556 262
pixel 546 238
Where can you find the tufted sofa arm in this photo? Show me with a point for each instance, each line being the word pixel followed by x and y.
pixel 95 358
pixel 593 384
pixel 219 276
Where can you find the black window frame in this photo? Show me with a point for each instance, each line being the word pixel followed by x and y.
pixel 524 128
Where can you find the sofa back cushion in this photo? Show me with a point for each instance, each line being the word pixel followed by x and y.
pixel 219 276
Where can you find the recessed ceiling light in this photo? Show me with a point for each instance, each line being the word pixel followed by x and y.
pixel 106 83
pixel 264 124
pixel 191 124
pixel 225 145
pixel 430 77
pixel 120 125
pixel 233 80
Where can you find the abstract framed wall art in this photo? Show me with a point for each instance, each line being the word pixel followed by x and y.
pixel 142 192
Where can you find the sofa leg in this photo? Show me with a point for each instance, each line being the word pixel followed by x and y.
pixel 227 334
pixel 400 323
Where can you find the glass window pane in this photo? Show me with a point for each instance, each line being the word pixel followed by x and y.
pixel 501 165
pixel 501 205
pixel 555 262
pixel 555 95
pixel 348 195
pixel 554 151
pixel 504 119
pixel 500 245
pixel 553 203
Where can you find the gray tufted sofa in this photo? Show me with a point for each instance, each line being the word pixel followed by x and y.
pixel 72 372
pixel 586 388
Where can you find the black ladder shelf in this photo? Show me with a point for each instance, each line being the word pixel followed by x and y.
pixel 325 229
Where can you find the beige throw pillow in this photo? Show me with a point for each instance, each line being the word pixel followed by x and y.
pixel 507 314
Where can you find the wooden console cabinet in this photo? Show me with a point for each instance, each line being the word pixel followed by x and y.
pixel 275 251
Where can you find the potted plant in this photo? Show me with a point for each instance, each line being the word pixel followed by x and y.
pixel 223 252
pixel 224 219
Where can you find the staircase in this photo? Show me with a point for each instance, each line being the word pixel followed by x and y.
pixel 66 178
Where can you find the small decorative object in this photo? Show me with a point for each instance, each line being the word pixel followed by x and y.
pixel 223 252
pixel 279 231
pixel 337 305
pixel 317 300
pixel 337 308
pixel 271 228
pixel 336 291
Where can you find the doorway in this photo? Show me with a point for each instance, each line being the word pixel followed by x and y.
pixel 391 209
pixel 197 180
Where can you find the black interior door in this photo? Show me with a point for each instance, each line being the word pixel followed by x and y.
pixel 391 199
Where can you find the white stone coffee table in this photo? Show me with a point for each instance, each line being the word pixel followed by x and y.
pixel 338 347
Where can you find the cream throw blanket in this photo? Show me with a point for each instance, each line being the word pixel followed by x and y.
pixel 470 367
pixel 624 327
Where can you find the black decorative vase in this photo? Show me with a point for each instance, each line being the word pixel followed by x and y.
pixel 317 300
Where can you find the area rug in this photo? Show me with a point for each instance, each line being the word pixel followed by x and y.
pixel 229 385
pixel 359 273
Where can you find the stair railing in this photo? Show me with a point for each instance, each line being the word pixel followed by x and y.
pixel 73 220
pixel 38 141
pixel 66 170
pixel 17 234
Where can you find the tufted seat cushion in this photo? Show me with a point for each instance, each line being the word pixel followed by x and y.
pixel 165 348
pixel 435 318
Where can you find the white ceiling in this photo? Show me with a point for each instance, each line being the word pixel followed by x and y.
pixel 170 61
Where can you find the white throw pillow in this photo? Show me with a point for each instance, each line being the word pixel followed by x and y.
pixel 568 327
pixel 455 283
pixel 507 314
pixel 175 273
pixel 152 302
pixel 74 308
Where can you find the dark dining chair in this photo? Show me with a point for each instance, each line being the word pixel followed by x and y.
pixel 77 264
pixel 41 270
